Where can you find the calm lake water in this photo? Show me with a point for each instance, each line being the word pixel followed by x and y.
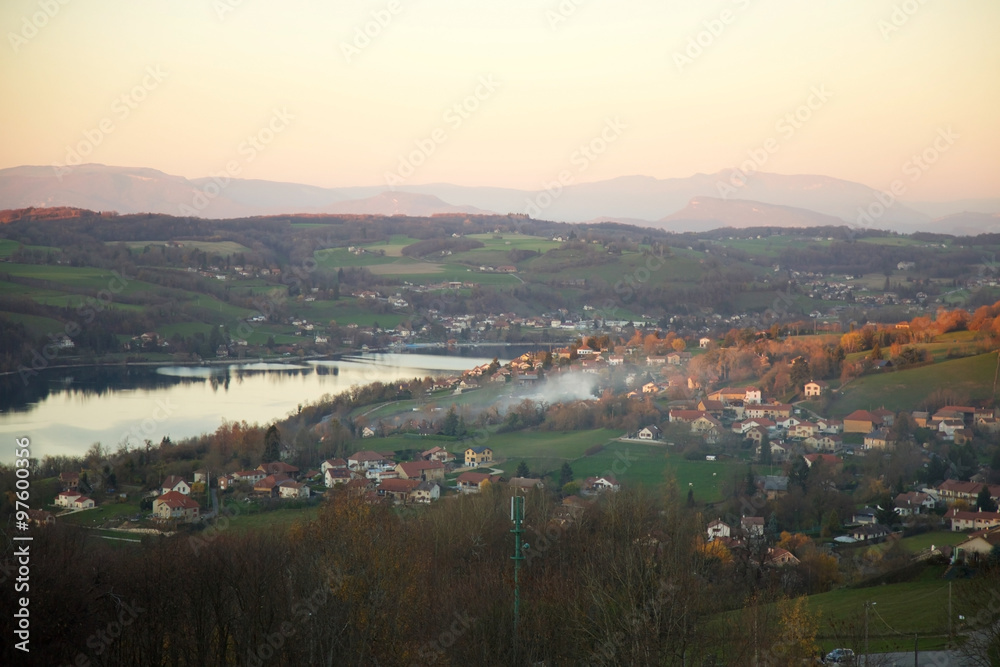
pixel 65 411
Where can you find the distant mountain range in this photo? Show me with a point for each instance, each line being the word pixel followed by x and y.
pixel 698 202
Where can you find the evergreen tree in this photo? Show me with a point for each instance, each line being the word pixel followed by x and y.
pixel 450 425
pixel 799 473
pixel 984 502
pixel 522 470
pixel 751 483
pixel 272 445
pixel 765 451
pixel 690 499
pixel 884 512
pixel 565 475
pixel 771 529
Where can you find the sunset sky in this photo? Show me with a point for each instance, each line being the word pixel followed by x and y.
pixel 201 76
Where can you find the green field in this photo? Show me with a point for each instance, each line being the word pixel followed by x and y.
pixel 8 247
pixel 102 513
pixel 634 463
pixel 34 322
pixel 918 543
pixel 913 607
pixel 547 445
pixel 221 248
pixel 279 519
pixel 906 389
pixel 772 246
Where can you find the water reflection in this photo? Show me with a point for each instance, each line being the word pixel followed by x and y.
pixel 64 411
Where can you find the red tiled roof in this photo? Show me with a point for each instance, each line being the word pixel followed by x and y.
pixel 177 500
pixel 415 468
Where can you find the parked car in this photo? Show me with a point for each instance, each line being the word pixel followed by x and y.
pixel 839 656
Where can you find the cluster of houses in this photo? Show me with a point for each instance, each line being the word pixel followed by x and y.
pixel 742 536
pixel 788 433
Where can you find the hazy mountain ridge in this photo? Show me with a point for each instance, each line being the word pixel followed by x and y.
pixel 698 200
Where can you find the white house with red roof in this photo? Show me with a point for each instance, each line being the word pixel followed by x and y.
pixel 176 505
pixel 67 498
pixel 175 483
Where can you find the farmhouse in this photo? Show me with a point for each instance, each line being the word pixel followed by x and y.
pixel 421 470
pixel 175 505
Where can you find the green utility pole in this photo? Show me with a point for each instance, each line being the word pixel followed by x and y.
pixel 517 516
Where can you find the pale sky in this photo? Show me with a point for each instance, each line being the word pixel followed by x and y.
pixel 894 82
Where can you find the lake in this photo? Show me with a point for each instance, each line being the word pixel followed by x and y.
pixel 65 411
